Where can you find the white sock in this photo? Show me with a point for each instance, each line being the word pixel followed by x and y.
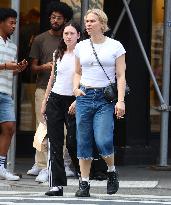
pixel 85 179
pixel 111 168
pixel 2 161
pixel 56 188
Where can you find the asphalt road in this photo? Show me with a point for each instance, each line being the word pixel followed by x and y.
pixel 38 198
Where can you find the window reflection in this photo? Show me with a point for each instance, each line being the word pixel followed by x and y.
pixel 29 28
pixel 76 5
pixel 5 3
pixel 156 60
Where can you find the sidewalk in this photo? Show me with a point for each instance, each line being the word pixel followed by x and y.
pixel 132 177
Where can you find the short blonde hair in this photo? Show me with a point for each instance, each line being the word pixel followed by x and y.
pixel 102 18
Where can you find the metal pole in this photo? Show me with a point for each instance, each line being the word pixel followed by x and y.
pixel 15 4
pixel 163 105
pixel 119 21
pixel 84 8
pixel 165 84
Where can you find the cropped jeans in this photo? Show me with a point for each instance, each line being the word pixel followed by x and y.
pixel 95 123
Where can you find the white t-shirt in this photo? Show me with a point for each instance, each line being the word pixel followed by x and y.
pixel 107 52
pixel 65 73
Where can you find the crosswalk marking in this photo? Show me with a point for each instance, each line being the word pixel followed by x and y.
pixel 32 203
pixel 122 184
pixel 61 200
pixel 28 194
pixel 39 198
pixel 93 183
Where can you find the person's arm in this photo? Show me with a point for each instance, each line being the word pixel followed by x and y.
pixel 76 85
pixel 50 84
pixel 9 66
pixel 15 67
pixel 120 75
pixel 38 68
pixel 48 90
pixel 121 83
pixel 77 77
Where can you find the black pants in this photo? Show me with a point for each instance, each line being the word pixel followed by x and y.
pixel 57 115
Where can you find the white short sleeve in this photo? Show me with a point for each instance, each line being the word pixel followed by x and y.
pixel 76 50
pixel 120 50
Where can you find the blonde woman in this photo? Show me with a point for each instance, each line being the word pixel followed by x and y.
pixel 94 114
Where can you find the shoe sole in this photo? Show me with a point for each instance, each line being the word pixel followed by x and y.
pixel 32 174
pixel 112 192
pixel 82 196
pixel 2 178
pixel 52 195
pixel 10 179
pixel 41 181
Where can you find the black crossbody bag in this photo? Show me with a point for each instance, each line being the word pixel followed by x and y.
pixel 111 91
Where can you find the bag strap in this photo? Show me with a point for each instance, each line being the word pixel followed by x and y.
pixel 55 63
pixel 95 54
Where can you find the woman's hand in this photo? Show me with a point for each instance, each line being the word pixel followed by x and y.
pixel 120 109
pixel 71 110
pixel 78 92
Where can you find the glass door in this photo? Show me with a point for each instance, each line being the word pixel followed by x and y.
pixel 156 60
pixel 28 29
pixel 76 5
pixel 5 3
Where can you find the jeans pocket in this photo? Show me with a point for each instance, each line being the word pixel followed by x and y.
pixel 82 88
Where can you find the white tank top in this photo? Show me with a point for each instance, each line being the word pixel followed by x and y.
pixel 65 73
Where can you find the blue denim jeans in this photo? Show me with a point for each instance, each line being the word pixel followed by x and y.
pixel 7 113
pixel 94 119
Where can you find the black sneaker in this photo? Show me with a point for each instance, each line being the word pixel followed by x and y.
pixel 83 191
pixel 55 193
pixel 112 183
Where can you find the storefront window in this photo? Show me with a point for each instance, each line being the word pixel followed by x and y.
pixel 76 5
pixel 5 3
pixel 156 60
pixel 29 28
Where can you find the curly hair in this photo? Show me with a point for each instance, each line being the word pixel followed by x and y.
pixel 6 13
pixel 62 8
